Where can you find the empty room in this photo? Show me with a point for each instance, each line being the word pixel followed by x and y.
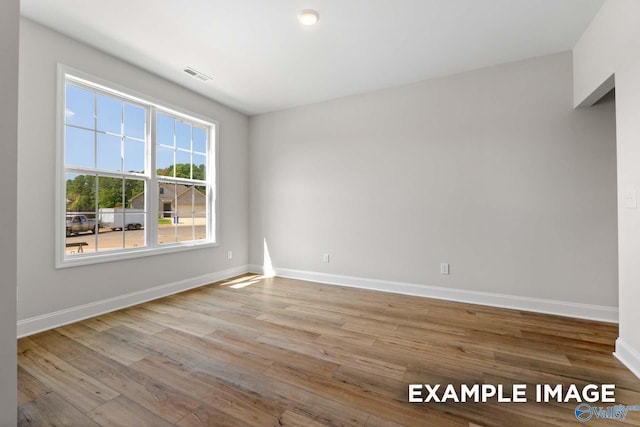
pixel 320 213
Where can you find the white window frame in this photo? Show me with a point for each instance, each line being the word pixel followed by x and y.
pixel 153 107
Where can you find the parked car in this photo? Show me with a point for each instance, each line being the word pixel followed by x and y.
pixel 80 223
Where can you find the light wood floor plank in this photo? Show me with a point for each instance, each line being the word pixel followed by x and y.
pixel 29 388
pixel 255 351
pixel 122 412
pixel 83 390
pixel 50 410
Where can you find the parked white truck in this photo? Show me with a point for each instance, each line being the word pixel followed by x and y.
pixel 121 219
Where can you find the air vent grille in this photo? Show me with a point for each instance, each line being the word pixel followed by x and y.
pixel 197 74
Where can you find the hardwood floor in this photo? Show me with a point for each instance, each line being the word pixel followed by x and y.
pixel 281 352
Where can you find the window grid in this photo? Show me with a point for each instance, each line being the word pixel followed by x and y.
pixel 195 226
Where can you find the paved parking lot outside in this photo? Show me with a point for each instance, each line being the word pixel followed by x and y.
pixel 109 240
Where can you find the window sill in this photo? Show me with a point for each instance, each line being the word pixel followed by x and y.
pixel 121 255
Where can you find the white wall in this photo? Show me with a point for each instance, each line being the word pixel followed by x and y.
pixel 492 171
pixel 9 30
pixel 611 45
pixel 43 289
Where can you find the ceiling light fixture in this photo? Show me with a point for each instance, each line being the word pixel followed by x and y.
pixel 308 17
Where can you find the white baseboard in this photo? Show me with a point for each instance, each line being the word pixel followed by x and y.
pixel 561 308
pixel 628 356
pixel 48 321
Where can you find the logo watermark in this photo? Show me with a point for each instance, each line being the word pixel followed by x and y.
pixel 585 396
pixel 584 412
pixel 516 393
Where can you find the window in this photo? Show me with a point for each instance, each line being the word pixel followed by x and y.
pixel 136 176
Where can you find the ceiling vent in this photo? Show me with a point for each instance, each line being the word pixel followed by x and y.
pixel 197 74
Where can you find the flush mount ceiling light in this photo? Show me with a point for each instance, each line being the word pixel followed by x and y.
pixel 308 17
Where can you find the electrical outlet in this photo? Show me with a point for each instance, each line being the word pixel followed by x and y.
pixel 325 258
pixel 444 268
pixel 630 198
pixel 229 254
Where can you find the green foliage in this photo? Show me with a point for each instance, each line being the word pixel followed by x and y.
pixel 81 192
pixel 183 170
pixel 132 187
pixel 109 192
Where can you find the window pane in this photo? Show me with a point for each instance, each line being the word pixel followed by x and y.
pixel 79 108
pixel 80 213
pixel 164 130
pixel 110 192
pixel 135 194
pixel 80 232
pixel 80 191
pixel 200 198
pixel 110 199
pixel 164 161
pixel 109 152
pixel 200 212
pixel 185 226
pixel 166 231
pixel 135 221
pixel 199 167
pixel 111 235
pixel 133 156
pixel 185 201
pixel 79 149
pixel 199 140
pixel 111 218
pixel 183 164
pixel 134 121
pixel 109 115
pixel 185 215
pixel 166 212
pixel 135 216
pixel 183 135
